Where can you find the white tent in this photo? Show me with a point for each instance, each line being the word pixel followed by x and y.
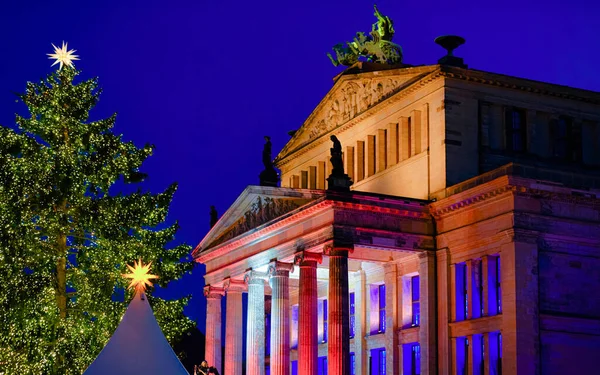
pixel 138 346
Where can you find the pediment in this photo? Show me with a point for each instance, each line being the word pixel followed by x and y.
pixel 352 95
pixel 256 206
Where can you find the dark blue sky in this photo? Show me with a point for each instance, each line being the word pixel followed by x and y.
pixel 204 81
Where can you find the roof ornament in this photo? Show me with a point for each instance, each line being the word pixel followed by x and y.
pixel 337 180
pixel 450 43
pixel 376 47
pixel 269 176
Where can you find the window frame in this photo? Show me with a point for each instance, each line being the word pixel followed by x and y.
pixel 513 133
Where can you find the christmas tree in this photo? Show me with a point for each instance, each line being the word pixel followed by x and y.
pixel 65 240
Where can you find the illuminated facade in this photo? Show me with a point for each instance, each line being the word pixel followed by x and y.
pixel 468 244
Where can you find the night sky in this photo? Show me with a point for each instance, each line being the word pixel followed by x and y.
pixel 204 81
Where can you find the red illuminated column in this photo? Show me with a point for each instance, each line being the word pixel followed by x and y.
pixel 233 327
pixel 308 342
pixel 212 350
pixel 338 351
pixel 279 273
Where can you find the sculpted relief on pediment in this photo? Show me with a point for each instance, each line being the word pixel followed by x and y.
pixel 260 211
pixel 350 100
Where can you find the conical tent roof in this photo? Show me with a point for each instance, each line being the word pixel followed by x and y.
pixel 138 346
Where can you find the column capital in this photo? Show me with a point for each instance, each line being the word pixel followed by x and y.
pixel 252 277
pixel 425 256
pixel 234 286
pixel 304 256
pixel 333 249
pixel 213 292
pixel 277 268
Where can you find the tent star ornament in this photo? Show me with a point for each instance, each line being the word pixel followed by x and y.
pixel 63 56
pixel 140 278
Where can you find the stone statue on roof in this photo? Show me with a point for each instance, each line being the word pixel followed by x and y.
pixel 376 47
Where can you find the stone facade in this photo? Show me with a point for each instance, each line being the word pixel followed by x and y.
pixel 468 244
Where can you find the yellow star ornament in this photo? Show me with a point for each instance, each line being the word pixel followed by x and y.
pixel 140 278
pixel 62 56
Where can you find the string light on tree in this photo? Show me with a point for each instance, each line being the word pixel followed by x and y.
pixel 66 238
pixel 63 56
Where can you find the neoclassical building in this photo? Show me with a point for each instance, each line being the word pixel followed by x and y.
pixel 469 242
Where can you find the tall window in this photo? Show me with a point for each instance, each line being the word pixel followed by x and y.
pixel 382 362
pixel 294 367
pixel 415 363
pixel 352 364
pixel 382 308
pixel 322 365
pixel 267 333
pixel 516 130
pixel 325 314
pixel 294 340
pixel 462 304
pixel 352 312
pixel 416 306
pixel 566 139
pixel 498 286
pixel 477 302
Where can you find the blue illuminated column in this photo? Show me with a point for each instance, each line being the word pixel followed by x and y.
pixel 255 336
pixel 279 273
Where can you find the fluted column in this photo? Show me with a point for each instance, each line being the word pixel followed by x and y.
pixel 279 273
pixel 233 327
pixel 212 347
pixel 255 335
pixel 308 340
pixel 338 351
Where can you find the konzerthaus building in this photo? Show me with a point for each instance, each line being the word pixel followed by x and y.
pixel 469 242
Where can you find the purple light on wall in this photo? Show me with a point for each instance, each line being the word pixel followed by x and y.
pixel 416 305
pixel 352 312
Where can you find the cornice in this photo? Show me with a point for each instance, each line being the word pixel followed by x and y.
pixel 522 84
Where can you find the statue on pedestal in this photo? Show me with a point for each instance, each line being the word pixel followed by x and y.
pixel 269 176
pixel 337 180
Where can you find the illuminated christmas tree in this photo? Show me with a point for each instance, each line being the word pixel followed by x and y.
pixel 64 240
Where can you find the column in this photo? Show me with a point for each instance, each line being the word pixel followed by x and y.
pixel 470 356
pixel 312 177
pixel 520 309
pixel 279 273
pixel 349 156
pixel 370 155
pixel 405 141
pixel 392 144
pixel 453 353
pixel 443 282
pixel 233 326
pixel 381 150
pixel 415 119
pixel 360 161
pixel 452 306
pixel 338 351
pixel 390 279
pixel 360 327
pixel 212 348
pixel 486 355
pixel 255 336
pixel 308 330
pixel 427 334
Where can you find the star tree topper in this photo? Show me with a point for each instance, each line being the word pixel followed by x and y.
pixel 140 278
pixel 63 56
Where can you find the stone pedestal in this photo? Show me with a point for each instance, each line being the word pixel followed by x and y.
pixel 255 336
pixel 338 352
pixel 308 341
pixel 212 349
pixel 279 273
pixel 233 327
